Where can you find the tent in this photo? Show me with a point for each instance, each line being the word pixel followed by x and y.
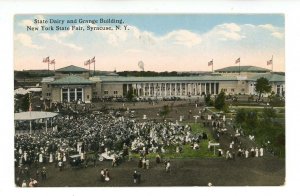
pixel 34 115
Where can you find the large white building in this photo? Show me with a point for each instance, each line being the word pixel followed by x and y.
pixel 73 83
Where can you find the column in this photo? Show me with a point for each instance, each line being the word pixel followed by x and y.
pixel 200 89
pixel 83 98
pixel 215 88
pixel 149 89
pixel 180 86
pixel 170 85
pixel 210 88
pixel 186 88
pixel 175 89
pixel 160 89
pixel 68 94
pixel 75 94
pixel 165 89
pixel 205 88
pixel 61 95
pixel 144 89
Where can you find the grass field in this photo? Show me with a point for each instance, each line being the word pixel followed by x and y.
pixel 188 152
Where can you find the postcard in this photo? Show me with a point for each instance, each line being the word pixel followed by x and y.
pixel 149 100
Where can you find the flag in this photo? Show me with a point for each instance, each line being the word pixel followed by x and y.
pixel 270 62
pixel 87 62
pixel 93 60
pixel 52 62
pixel 46 60
pixel 238 60
pixel 210 63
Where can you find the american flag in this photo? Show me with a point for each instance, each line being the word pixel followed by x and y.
pixel 210 63
pixel 46 60
pixel 270 62
pixel 238 60
pixel 93 60
pixel 87 62
pixel 52 62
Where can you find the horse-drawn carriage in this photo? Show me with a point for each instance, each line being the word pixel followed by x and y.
pixel 76 161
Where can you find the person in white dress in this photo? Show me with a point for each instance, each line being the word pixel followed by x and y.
pixel 50 158
pixel 261 150
pixel 246 153
pixel 64 158
pixel 40 158
pixel 256 152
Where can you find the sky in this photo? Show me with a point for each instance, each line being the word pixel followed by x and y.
pixel 166 42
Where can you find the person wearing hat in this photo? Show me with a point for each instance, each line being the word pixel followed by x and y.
pixel 135 177
pixel 44 173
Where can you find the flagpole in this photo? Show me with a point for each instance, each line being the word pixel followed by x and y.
pixel 240 67
pixel 94 66
pixel 272 63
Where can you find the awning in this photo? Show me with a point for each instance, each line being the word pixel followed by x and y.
pixel 34 115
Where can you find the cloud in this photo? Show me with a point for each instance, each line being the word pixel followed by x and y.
pixel 275 31
pixel 26 23
pixel 278 35
pixel 227 31
pixel 136 36
pixel 30 22
pixel 183 37
pixel 26 40
pixel 58 38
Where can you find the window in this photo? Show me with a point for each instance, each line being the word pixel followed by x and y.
pixel 79 93
pixel 105 92
pixel 48 85
pixel 232 90
pixel 72 94
pixel 278 90
pixel 242 89
pixel 65 94
pixel 48 94
pixel 115 92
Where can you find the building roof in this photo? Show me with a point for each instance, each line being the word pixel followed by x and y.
pixel 270 76
pixel 247 68
pixel 72 68
pixel 33 115
pixel 72 79
pixel 166 79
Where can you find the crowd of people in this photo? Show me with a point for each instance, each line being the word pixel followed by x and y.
pixel 116 136
pixel 101 133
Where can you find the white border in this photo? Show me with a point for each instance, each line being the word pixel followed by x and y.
pixel 292 34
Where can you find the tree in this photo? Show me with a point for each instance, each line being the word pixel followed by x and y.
pixel 262 86
pixel 220 101
pixel 130 94
pixel 165 111
pixel 25 102
pixel 208 100
pixel 240 117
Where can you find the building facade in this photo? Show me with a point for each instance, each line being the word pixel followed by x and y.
pixel 74 84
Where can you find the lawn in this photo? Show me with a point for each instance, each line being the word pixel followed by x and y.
pixel 187 152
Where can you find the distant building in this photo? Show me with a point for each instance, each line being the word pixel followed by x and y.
pixel 73 83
